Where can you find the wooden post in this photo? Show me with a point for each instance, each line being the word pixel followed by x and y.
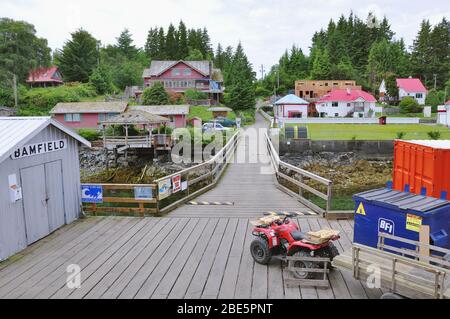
pixel 126 144
pixel 329 196
pixel 142 209
pixel 424 239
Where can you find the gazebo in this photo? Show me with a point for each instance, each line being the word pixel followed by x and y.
pixel 220 111
pixel 145 122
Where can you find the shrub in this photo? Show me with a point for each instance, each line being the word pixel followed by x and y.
pixel 90 134
pixel 401 135
pixel 100 79
pixel 176 98
pixel 409 105
pixel 156 95
pixel 434 135
pixel 193 94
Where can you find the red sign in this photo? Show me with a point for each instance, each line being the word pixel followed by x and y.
pixel 176 183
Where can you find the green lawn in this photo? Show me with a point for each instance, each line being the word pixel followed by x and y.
pixel 202 112
pixel 372 131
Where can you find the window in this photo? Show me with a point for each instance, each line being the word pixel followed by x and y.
pixel 176 72
pixel 335 104
pixel 187 72
pixel 326 84
pixel 76 117
pixel 336 114
pixel 419 95
pixel 349 105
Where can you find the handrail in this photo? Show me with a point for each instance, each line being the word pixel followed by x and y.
pixel 278 163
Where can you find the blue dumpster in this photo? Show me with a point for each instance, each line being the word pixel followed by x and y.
pixel 400 214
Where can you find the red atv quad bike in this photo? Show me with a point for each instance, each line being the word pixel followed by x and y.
pixel 281 237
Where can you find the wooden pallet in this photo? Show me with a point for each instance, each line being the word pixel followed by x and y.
pixel 321 282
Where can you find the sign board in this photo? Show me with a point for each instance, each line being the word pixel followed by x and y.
pixel 361 210
pixel 15 192
pixel 92 194
pixel 176 183
pixel 164 188
pixel 413 222
pixel 143 193
pixel 184 186
pixel 39 148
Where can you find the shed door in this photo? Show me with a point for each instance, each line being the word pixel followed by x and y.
pixel 35 203
pixel 55 203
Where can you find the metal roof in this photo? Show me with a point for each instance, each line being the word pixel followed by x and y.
pixel 89 107
pixel 291 99
pixel 161 109
pixel 402 200
pixel 135 118
pixel 17 131
pixel 158 67
pixel 441 144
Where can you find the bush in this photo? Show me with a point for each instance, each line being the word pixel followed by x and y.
pixel 435 98
pixel 100 79
pixel 409 105
pixel 193 94
pixel 401 135
pixel 40 101
pixel 434 135
pixel 89 134
pixel 156 95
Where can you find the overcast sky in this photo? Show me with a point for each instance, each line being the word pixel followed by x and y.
pixel 265 27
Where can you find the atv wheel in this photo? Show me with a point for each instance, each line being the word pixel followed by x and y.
pixel 304 264
pixel 328 252
pixel 260 251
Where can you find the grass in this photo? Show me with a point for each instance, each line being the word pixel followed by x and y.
pixel 373 131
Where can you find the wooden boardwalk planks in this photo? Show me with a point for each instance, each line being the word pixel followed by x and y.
pixel 165 258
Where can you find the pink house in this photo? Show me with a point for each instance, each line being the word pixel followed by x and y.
pixel 86 114
pixel 179 76
pixel 177 114
pixel 43 77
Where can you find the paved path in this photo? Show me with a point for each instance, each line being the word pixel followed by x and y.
pixel 164 258
pixel 247 185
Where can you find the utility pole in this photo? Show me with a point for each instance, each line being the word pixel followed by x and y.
pixel 16 100
pixel 435 80
pixel 262 71
pixel 278 77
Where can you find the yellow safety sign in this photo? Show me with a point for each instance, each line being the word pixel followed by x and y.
pixel 361 210
pixel 413 222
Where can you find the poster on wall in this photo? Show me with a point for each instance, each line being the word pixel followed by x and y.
pixel 143 193
pixel 176 182
pixel 15 192
pixel 92 194
pixel 164 188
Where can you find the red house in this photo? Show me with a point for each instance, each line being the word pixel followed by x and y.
pixel 44 77
pixel 86 114
pixel 179 76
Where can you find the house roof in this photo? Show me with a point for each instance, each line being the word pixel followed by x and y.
pixel 447 103
pixel 291 99
pixel 347 95
pixel 161 109
pixel 17 131
pixel 411 85
pixel 136 118
pixel 158 67
pixel 89 107
pixel 43 75
pixel 220 109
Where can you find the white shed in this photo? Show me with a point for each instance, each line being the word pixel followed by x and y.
pixel 39 180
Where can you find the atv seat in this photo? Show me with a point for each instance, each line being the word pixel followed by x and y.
pixel 298 235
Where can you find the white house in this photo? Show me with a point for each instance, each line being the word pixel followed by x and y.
pixel 444 114
pixel 290 106
pixel 383 91
pixel 412 87
pixel 345 103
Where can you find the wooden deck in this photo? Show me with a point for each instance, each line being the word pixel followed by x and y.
pixel 250 186
pixel 164 258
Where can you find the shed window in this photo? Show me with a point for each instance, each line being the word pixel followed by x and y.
pixel 419 95
pixel 76 117
pixel 335 104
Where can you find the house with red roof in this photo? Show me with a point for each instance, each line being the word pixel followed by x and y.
pixel 413 88
pixel 45 77
pixel 347 103
pixel 180 76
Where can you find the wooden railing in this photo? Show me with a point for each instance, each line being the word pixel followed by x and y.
pixel 120 198
pixel 289 174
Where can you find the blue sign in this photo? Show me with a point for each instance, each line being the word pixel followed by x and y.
pixel 91 194
pixel 143 193
pixel 386 226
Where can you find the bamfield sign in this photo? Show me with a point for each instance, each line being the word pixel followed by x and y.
pixel 39 148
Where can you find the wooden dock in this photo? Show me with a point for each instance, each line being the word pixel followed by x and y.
pixel 164 258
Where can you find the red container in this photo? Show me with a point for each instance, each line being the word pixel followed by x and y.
pixel 422 165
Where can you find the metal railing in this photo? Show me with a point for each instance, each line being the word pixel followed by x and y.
pixel 289 174
pixel 120 198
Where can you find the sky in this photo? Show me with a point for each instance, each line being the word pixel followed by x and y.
pixel 266 28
